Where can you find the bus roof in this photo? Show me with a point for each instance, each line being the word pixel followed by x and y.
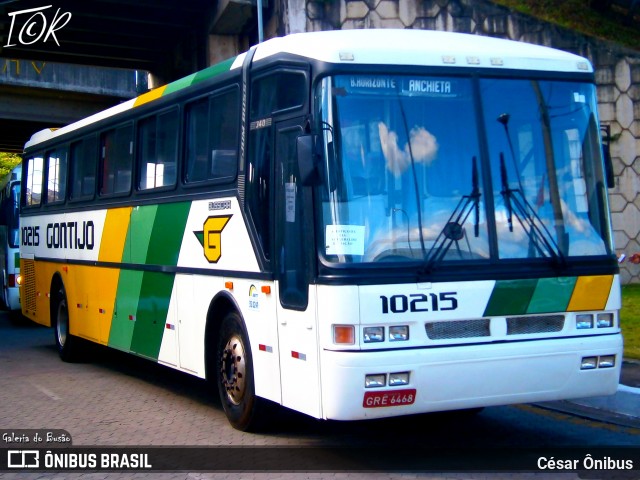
pixel 372 47
pixel 424 48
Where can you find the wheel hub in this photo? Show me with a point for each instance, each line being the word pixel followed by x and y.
pixel 62 325
pixel 233 370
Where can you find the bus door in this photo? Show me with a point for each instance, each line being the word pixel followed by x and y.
pixel 296 306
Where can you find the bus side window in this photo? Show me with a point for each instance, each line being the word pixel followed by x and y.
pixel 196 141
pixel 224 128
pixel 34 181
pixel 278 93
pixel 57 175
pixel 116 154
pixel 212 138
pixel 158 150
pixel 82 159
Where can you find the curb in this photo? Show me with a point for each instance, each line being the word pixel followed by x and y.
pixel 591 413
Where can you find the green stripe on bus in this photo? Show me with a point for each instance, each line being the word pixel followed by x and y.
pixel 16 259
pixel 151 315
pixel 552 295
pixel 139 234
pixel 213 70
pixel 166 235
pixel 124 315
pixel 179 84
pixel 510 297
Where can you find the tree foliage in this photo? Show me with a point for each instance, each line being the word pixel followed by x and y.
pixel 7 162
pixel 617 21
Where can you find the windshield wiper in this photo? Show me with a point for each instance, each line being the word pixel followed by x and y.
pixel 414 175
pixel 516 204
pixel 453 230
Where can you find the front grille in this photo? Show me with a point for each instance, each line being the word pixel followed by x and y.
pixel 458 329
pixel 534 324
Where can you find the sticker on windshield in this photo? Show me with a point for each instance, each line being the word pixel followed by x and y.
pixel 344 240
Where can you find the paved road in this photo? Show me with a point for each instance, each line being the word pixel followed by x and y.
pixel 116 399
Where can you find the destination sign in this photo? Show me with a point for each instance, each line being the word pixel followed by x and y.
pixel 400 85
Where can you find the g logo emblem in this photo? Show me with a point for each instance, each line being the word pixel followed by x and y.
pixel 212 238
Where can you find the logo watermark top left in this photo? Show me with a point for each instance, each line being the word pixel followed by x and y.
pixel 40 25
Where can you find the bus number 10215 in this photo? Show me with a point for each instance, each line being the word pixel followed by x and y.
pixel 419 302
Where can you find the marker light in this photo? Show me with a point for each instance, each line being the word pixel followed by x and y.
pixel 584 321
pixel 373 334
pixel 399 333
pixel 18 279
pixel 605 320
pixel 375 381
pixel 399 378
pixel 344 334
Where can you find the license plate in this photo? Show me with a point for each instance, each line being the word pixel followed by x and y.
pixel 394 398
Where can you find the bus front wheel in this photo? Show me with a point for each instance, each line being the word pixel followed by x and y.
pixel 234 375
pixel 67 344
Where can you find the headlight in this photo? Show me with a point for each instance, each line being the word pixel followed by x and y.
pixel 589 363
pixel 373 334
pixel 399 378
pixel 605 320
pixel 399 333
pixel 607 361
pixel 375 380
pixel 584 321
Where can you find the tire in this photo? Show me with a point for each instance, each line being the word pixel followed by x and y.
pixel 68 345
pixel 234 376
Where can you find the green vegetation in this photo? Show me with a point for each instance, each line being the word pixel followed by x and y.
pixel 590 17
pixel 630 320
pixel 7 162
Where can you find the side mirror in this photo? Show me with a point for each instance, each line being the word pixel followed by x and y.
pixel 307 166
pixel 605 133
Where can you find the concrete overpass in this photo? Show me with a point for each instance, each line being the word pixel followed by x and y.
pixel 36 95
pixel 46 48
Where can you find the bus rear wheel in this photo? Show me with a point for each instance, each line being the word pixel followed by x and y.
pixel 67 344
pixel 234 375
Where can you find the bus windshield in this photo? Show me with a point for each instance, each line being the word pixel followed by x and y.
pixel 433 169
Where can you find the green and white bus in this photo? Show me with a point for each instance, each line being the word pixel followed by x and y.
pixel 351 224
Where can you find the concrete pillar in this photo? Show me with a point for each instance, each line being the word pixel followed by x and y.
pixel 222 47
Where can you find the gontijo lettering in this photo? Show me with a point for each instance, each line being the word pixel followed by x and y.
pixel 71 235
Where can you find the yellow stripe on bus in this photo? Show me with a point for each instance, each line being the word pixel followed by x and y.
pixel 114 236
pixel 591 293
pixel 149 96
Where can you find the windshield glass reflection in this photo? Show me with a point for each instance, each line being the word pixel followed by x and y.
pixel 403 170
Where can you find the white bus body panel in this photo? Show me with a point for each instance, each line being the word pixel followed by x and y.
pixel 452 378
pixel 448 374
pixel 299 359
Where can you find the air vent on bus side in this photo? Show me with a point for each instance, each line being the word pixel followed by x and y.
pixel 29 285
